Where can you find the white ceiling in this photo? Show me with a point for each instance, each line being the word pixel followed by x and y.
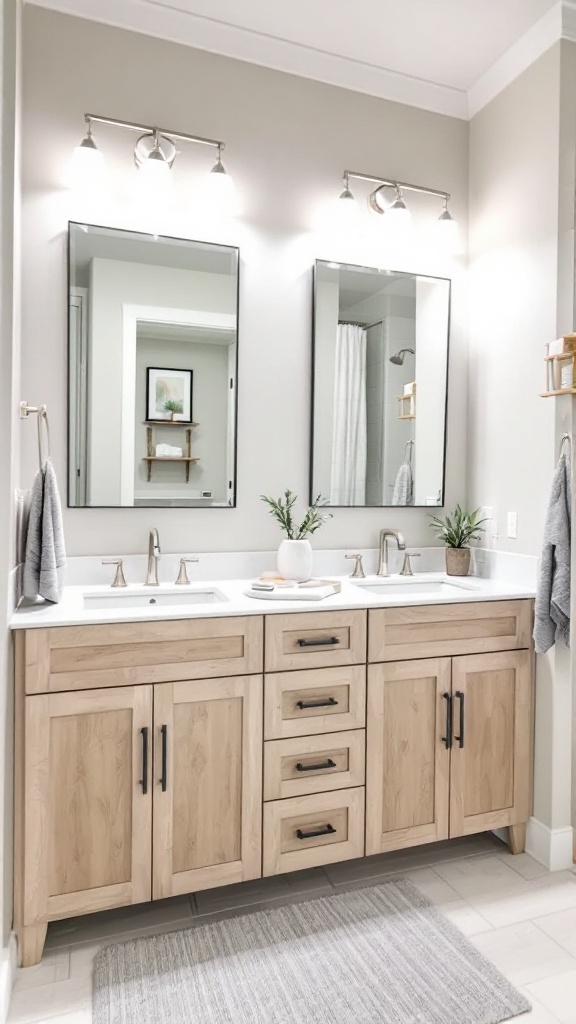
pixel 445 55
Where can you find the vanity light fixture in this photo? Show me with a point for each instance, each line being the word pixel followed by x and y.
pixel 154 155
pixel 346 211
pixel 396 212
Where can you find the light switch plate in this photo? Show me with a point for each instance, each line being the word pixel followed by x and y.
pixel 512 525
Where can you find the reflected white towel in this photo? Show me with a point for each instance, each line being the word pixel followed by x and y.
pixel 45 559
pixel 403 486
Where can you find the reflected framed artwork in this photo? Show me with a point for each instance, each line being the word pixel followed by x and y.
pixel 168 394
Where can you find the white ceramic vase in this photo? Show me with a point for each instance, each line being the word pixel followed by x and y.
pixel 295 560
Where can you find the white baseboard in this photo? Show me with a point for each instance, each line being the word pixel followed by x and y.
pixel 552 847
pixel 8 963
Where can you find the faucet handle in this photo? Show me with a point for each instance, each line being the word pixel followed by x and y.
pixel 182 573
pixel 406 569
pixel 358 570
pixel 119 580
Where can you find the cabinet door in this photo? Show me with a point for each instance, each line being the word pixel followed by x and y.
pixel 491 750
pixel 207 784
pixel 88 817
pixel 407 755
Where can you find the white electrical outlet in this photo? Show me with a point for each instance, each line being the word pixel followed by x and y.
pixel 512 527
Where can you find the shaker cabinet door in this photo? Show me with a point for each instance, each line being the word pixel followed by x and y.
pixel 492 741
pixel 87 802
pixel 207 784
pixel 407 754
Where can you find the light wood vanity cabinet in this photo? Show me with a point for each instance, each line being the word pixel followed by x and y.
pixel 155 759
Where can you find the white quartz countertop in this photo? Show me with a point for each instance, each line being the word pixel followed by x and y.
pixel 83 605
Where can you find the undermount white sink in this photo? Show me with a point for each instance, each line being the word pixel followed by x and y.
pixel 153 599
pixel 413 587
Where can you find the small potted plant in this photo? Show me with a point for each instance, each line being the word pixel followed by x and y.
pixel 457 531
pixel 295 551
pixel 172 405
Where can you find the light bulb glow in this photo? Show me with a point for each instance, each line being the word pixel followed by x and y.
pixel 87 168
pixel 154 181
pixel 220 191
pixel 398 216
pixel 447 234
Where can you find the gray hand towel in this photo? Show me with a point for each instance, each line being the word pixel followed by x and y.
pixel 552 616
pixel 403 486
pixel 45 559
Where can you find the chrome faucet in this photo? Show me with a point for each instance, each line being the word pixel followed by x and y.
pixel 154 553
pixel 384 535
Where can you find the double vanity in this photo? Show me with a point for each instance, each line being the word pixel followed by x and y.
pixel 178 738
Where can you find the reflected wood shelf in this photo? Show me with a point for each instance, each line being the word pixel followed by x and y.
pixel 560 391
pixel 407 407
pixel 151 457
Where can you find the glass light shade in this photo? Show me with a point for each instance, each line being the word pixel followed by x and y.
pixel 447 234
pixel 398 216
pixel 346 212
pixel 87 168
pixel 220 192
pixel 154 177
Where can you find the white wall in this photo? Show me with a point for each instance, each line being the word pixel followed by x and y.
pixel 522 169
pixel 287 141
pixel 115 284
pixel 10 432
pixel 514 162
pixel 209 365
pixel 432 311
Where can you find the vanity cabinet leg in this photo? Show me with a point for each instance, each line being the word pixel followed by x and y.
pixel 517 838
pixel 31 939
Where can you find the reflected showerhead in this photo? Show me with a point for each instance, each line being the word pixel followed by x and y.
pixel 398 359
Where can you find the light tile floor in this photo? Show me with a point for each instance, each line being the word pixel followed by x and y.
pixel 520 916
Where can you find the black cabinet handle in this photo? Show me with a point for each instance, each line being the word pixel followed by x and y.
pixel 328 641
pixel 329 702
pixel 447 739
pixel 164 778
pixel 144 779
pixel 460 739
pixel 315 767
pixel 326 831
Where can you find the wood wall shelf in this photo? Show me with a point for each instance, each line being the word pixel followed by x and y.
pixel 151 457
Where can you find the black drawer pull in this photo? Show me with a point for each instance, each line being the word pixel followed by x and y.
pixel 144 779
pixel 315 767
pixel 447 739
pixel 329 702
pixel 326 831
pixel 460 739
pixel 164 778
pixel 329 641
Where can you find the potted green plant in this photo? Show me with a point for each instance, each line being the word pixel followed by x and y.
pixel 295 551
pixel 172 405
pixel 457 530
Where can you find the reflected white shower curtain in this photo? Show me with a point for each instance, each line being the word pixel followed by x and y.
pixel 348 471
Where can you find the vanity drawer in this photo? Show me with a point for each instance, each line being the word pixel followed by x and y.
pixel 128 653
pixel 310 830
pixel 432 631
pixel 311 639
pixel 314 764
pixel 311 702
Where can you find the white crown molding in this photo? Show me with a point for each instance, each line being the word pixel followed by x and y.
pixel 569 20
pixel 179 26
pixel 558 23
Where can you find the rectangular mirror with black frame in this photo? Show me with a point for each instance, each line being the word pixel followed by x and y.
pixel 153 360
pixel 379 386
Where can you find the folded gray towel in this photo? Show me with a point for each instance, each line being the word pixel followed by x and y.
pixel 552 615
pixel 403 486
pixel 45 559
